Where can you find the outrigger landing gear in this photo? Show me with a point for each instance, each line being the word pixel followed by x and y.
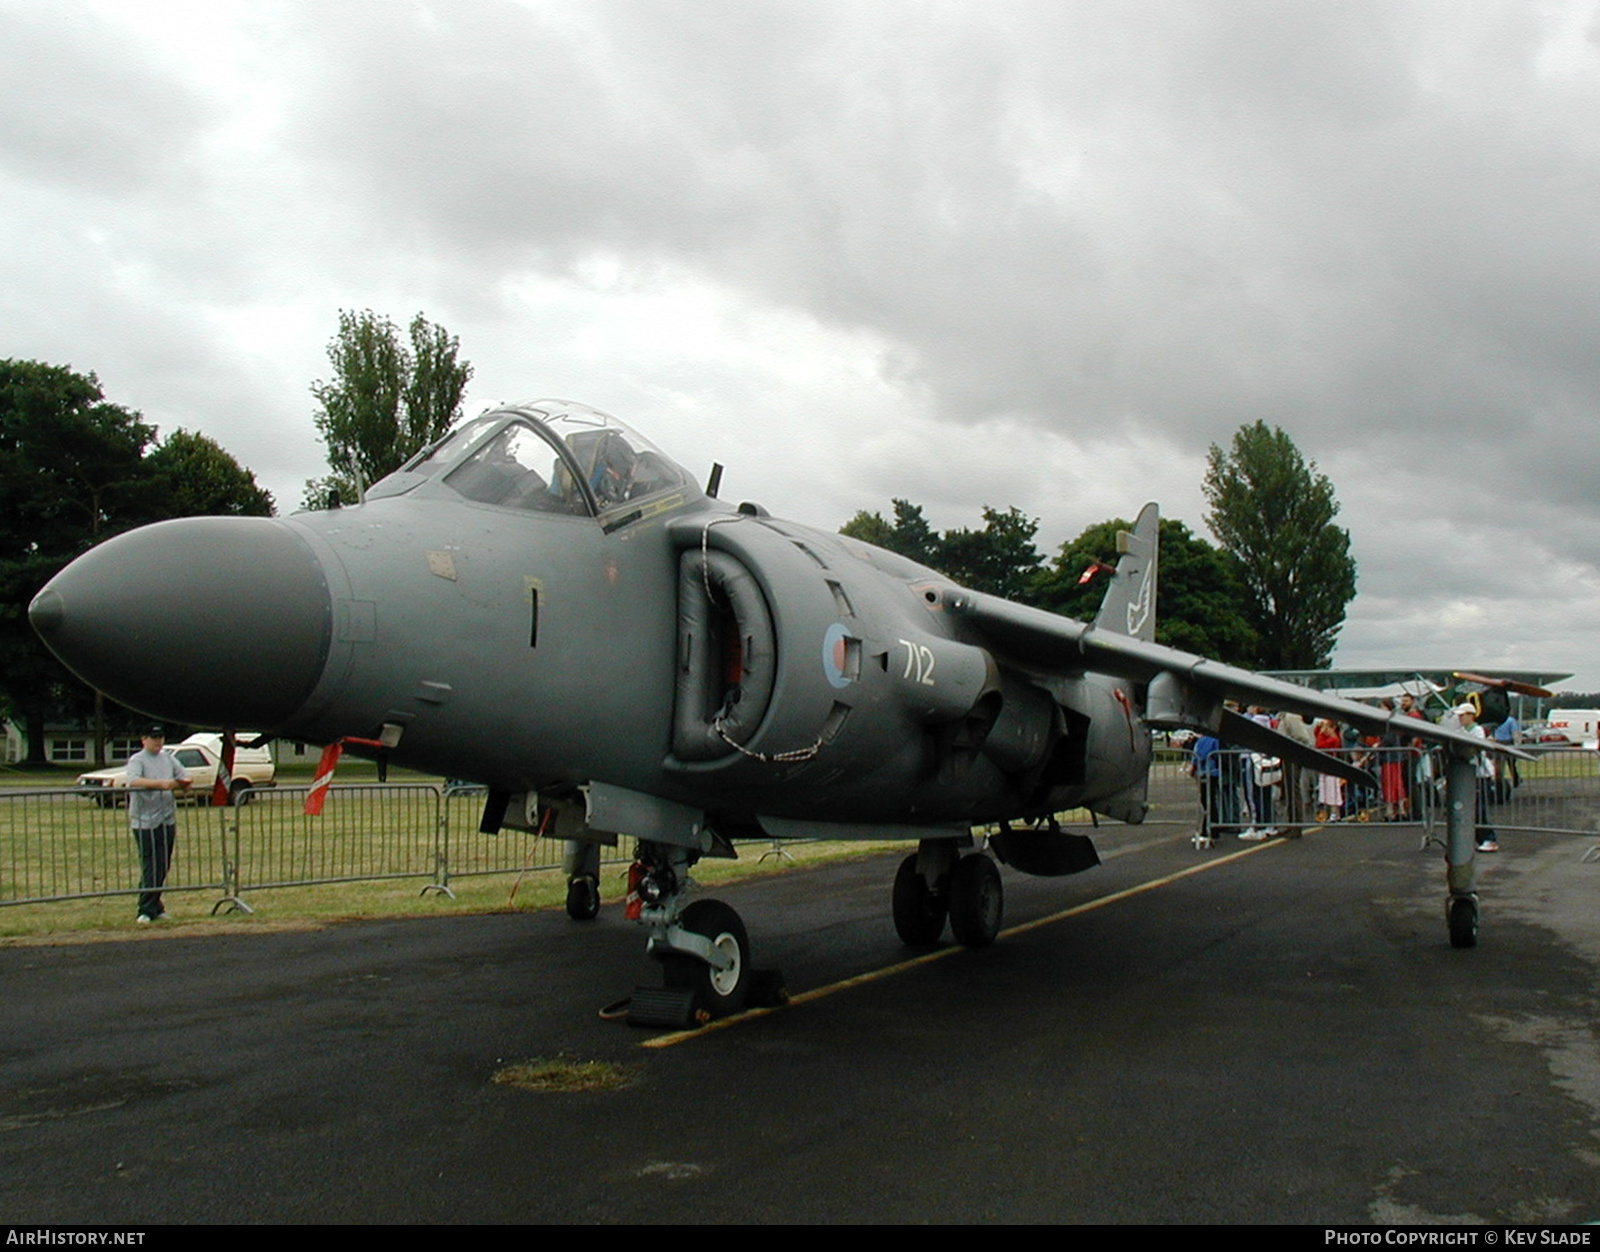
pixel 1461 846
pixel 703 947
pixel 583 899
pixel 937 882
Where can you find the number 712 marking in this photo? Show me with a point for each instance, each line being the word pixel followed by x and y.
pixel 919 662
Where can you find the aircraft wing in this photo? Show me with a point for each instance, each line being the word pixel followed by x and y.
pixel 1185 690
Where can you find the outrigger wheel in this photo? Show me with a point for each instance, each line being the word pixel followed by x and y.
pixel 1462 915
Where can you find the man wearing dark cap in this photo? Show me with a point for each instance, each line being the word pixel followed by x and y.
pixel 153 776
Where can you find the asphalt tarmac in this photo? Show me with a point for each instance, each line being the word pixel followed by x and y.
pixel 1279 1036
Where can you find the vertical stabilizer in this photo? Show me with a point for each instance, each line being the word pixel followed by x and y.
pixel 1130 604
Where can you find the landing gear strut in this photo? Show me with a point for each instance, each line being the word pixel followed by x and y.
pixel 1461 905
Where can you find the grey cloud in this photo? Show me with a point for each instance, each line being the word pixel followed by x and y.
pixel 76 110
pixel 1369 223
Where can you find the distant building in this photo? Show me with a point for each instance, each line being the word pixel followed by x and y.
pixel 67 743
pixel 72 743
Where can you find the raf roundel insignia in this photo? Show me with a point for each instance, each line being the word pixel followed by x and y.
pixel 835 654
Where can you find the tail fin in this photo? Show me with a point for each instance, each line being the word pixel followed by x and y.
pixel 1130 604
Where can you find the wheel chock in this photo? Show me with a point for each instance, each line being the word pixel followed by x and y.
pixel 672 1008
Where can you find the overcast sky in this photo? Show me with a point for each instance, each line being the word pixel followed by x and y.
pixel 1033 254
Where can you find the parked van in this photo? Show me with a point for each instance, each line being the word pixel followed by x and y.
pixel 1580 726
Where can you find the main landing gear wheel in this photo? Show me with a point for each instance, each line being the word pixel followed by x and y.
pixel 919 911
pixel 1462 915
pixel 977 901
pixel 583 898
pixel 720 992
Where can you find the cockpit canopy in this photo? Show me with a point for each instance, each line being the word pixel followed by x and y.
pixel 548 456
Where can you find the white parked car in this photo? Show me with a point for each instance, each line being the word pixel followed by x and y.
pixel 199 754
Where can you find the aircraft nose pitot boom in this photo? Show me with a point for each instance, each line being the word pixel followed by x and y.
pixel 207 621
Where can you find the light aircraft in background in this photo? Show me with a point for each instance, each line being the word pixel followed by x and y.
pixel 1491 697
pixel 543 602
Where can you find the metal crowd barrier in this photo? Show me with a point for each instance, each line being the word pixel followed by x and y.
pixel 74 844
pixel 71 844
pixel 1253 792
pixel 1558 792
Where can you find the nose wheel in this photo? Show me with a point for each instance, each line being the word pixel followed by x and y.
pixel 718 991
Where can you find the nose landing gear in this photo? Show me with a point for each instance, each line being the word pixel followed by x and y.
pixel 703 947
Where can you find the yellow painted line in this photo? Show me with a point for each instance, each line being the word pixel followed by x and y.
pixel 927 958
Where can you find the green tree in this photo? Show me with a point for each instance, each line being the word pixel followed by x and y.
pixel 1200 598
pixel 386 400
pixel 56 428
pixel 1274 514
pixel 71 473
pixel 869 528
pixel 999 559
pixel 197 477
pixel 74 470
pixel 909 535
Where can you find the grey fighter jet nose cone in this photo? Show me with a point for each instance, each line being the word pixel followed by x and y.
pixel 45 613
pixel 208 621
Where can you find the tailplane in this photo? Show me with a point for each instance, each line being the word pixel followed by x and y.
pixel 1130 604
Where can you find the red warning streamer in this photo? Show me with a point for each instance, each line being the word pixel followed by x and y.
pixel 324 778
pixel 224 783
